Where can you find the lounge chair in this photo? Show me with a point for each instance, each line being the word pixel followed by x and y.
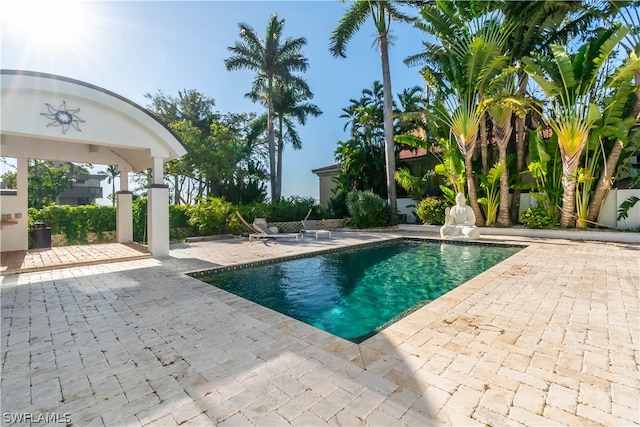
pixel 310 226
pixel 264 232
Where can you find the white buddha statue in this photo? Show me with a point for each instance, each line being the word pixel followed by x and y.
pixel 460 221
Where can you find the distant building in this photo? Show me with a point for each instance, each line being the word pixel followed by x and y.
pixel 327 177
pixel 417 160
pixel 84 190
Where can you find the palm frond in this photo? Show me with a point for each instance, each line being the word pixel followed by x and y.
pixel 626 71
pixel 353 18
pixel 565 68
pixel 541 76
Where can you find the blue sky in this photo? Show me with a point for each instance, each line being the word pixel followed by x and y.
pixel 138 47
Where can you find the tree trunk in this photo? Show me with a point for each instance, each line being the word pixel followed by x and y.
pixel 604 183
pixel 570 164
pixel 484 155
pixel 176 190
pixel 567 217
pixel 520 166
pixel 389 145
pixel 279 167
pixel 471 187
pixel 272 147
pixel 520 154
pixel 503 134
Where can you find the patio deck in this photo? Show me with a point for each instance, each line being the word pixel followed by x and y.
pixel 548 337
pixel 13 262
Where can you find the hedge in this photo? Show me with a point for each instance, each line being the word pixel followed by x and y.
pixel 210 216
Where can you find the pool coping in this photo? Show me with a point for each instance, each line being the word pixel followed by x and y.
pixel 223 269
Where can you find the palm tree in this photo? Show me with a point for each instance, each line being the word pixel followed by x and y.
pixel 382 12
pixel 365 116
pixel 290 105
pixel 111 173
pixel 501 104
pixel 630 16
pixel 272 59
pixel 460 68
pixel 569 80
pixel 537 24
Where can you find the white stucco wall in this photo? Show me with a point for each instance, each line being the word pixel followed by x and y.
pixel 112 130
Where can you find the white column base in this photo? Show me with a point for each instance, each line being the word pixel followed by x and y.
pixel 124 216
pixel 158 220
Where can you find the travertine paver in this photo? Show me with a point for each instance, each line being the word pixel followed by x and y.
pixel 548 337
pixel 69 256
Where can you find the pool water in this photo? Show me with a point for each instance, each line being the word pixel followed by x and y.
pixel 354 293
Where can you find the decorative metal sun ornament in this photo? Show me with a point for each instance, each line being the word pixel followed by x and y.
pixel 63 117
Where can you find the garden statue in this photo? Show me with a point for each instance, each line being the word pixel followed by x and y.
pixel 460 221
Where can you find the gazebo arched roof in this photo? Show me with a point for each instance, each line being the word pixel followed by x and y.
pixel 56 118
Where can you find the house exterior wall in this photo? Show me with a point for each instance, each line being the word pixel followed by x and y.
pixel 82 192
pixel 327 185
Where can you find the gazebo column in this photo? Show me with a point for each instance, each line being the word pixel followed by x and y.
pixel 158 212
pixel 15 234
pixel 124 210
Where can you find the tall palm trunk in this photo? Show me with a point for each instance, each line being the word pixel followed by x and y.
pixel 484 152
pixel 280 150
pixel 604 183
pixel 502 134
pixel 520 154
pixel 390 155
pixel 272 148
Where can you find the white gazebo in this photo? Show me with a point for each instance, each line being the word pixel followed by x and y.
pixel 55 118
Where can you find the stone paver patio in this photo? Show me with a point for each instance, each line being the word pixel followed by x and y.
pixel 548 337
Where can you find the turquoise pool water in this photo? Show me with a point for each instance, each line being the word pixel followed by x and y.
pixel 357 292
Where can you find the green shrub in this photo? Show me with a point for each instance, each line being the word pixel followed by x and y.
pixel 431 210
pixel 291 209
pixel 179 216
pixel 99 218
pixel 338 205
pixel 537 217
pixel 214 216
pixel 367 209
pixel 75 221
pixel 140 219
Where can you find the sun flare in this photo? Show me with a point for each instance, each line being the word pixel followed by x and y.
pixel 48 24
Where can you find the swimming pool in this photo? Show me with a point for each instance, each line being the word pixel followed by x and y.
pixel 354 293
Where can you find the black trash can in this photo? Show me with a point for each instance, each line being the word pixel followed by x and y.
pixel 41 235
